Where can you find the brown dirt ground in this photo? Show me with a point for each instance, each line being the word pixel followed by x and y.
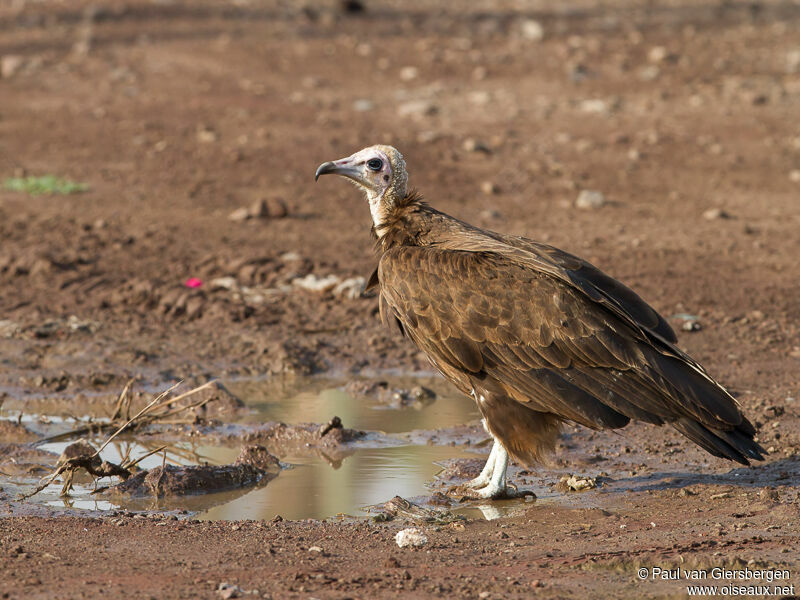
pixel 178 113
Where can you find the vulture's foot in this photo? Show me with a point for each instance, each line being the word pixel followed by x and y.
pixel 491 483
pixel 488 492
pixel 485 478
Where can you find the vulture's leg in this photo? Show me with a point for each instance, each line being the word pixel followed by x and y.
pixel 486 475
pixel 497 484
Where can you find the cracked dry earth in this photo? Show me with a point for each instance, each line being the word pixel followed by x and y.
pixel 197 127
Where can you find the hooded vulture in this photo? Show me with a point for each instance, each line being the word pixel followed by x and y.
pixel 536 336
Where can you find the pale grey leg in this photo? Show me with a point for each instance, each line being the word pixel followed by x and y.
pixel 496 487
pixel 488 469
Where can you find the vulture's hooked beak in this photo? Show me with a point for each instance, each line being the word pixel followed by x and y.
pixel 340 167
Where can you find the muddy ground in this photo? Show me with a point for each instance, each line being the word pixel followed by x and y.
pixel 179 114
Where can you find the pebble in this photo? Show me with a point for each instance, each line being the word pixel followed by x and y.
pixel 316 549
pixel 316 284
pixel 794 175
pixel 691 326
pixel 269 208
pixel 227 590
pixel 239 215
pixel 715 213
pixel 363 105
pixel 350 288
pixel 489 188
pixel 410 537
pixel 473 145
pixel 596 105
pixel 417 108
pixel 532 30
pixel 10 64
pixel 657 54
pixel 577 483
pixel 206 135
pixel 649 73
pixel 428 137
pixel 590 199
pixel 409 73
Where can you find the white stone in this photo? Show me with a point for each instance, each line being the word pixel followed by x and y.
pixel 350 288
pixel 9 65
pixel 409 73
pixel 589 199
pixel 410 537
pixel 532 30
pixel 363 105
pixel 417 108
pixel 316 284
pixel 223 283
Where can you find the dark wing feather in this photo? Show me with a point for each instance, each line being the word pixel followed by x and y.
pixel 553 346
pixel 575 271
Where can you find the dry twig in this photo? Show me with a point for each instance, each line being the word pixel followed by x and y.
pixel 158 409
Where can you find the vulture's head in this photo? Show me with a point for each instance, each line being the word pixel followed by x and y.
pixel 378 170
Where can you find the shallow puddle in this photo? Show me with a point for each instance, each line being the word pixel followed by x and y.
pixel 312 486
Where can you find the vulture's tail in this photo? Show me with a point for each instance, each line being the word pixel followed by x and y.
pixel 737 444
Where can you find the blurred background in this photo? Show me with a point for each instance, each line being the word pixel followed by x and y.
pixel 159 216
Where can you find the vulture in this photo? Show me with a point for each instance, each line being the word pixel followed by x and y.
pixel 536 336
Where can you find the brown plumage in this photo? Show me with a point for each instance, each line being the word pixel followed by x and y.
pixel 536 335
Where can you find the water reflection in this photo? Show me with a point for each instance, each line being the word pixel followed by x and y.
pixel 311 487
pixel 309 400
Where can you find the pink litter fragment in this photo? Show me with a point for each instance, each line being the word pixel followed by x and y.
pixel 193 282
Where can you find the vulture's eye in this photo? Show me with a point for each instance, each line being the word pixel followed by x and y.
pixel 375 164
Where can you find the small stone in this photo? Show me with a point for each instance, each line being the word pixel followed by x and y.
pixel 590 199
pixel 350 288
pixel 489 188
pixel 268 208
pixel 649 73
pixel 715 213
pixel 428 137
pixel 794 175
pixel 657 54
pixel 410 537
pixel 691 326
pixel 223 283
pixel 363 105
pixel 480 97
pixel 417 108
pixel 473 145
pixel 484 595
pixel 532 30
pixel 409 73
pixel 576 483
pixel 10 64
pixel 316 284
pixel 227 591
pixel 595 105
pixel 259 209
pixel 316 549
pixel 206 135
pixel 239 215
